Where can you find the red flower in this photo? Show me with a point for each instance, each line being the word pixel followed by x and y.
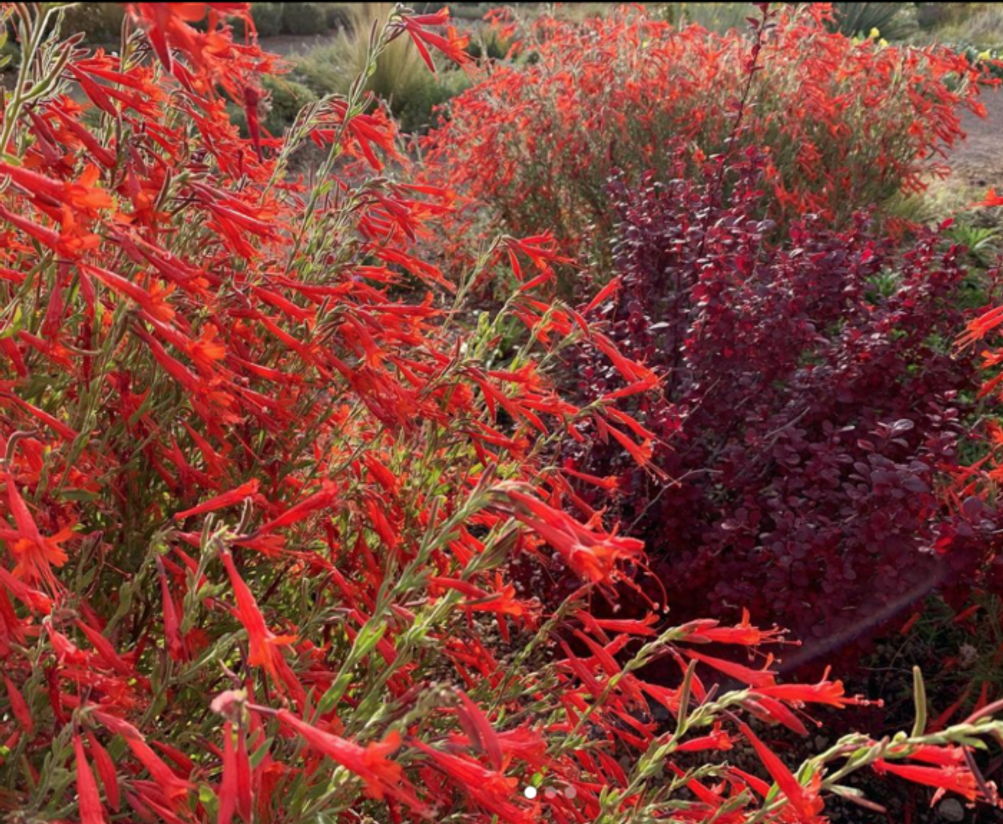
pixel 35 555
pixel 803 799
pixel 175 790
pixel 719 739
pixel 592 554
pixel 757 678
pixel 226 499
pixel 953 779
pixel 261 640
pixel 990 200
pixel 106 769
pixel 743 633
pixel 488 789
pixel 452 45
pixel 370 763
pixel 824 692
pixel 322 499
pixel 235 791
pixel 19 706
pixel 89 801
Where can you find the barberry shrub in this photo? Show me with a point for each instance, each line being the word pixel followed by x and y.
pixel 844 123
pixel 257 510
pixel 810 416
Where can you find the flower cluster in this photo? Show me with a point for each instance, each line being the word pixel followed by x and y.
pixel 843 123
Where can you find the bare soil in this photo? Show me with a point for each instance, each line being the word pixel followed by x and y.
pixel 978 160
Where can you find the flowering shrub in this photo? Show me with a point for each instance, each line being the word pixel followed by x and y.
pixel 847 123
pixel 810 402
pixel 257 511
pixel 980 341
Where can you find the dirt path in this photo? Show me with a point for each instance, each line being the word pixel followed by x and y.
pixel 978 160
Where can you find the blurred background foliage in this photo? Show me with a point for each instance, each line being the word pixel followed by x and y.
pixel 333 37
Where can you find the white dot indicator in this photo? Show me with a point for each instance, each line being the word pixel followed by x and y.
pixel 529 792
pixel 570 792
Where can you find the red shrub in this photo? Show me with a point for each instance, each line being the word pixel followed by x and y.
pixel 809 406
pixel 843 124
pixel 257 511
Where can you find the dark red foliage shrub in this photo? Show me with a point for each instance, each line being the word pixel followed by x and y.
pixel 810 402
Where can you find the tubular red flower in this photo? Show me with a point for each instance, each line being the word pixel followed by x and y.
pixel 804 800
pixel 591 554
pixel 19 707
pixel 175 789
pixel 91 811
pixel 954 779
pixel 824 692
pixel 452 45
pixel 35 555
pixel 234 496
pixel 370 763
pixel 485 788
pixel 106 769
pixel 757 678
pixel 235 791
pixel 263 643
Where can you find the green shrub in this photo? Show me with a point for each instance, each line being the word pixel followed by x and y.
pixel 716 17
pixel 10 54
pixel 337 15
pixel 101 22
pixel 304 18
pixel 470 11
pixel 894 21
pixel 267 18
pixel 981 27
pixel 978 23
pixel 416 109
pixel 286 96
pixel 488 43
pixel 931 15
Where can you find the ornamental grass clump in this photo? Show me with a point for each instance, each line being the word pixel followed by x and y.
pixel 257 511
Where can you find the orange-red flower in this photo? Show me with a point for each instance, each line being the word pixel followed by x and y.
pixel 371 763
pixel 592 554
pixel 804 800
pixel 262 641
pixel 91 811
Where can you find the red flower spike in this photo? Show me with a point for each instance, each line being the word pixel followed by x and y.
pixel 91 811
pixel 371 764
pixel 803 799
pixel 106 769
pixel 19 707
pixel 591 555
pixel 263 643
